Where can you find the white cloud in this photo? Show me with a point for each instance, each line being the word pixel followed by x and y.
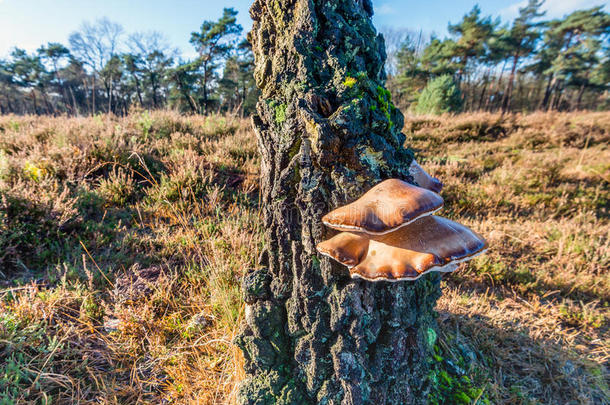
pixel 510 12
pixel 553 8
pixel 559 8
pixel 383 9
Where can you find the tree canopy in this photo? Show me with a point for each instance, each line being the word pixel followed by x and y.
pixel 528 64
pixel 559 64
pixel 105 70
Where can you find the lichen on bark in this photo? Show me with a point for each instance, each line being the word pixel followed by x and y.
pixel 327 132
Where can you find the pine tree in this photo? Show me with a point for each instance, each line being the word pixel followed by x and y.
pixel 472 35
pixel 520 41
pixel 440 96
pixel 183 80
pixel 214 42
pixel 54 53
pixel 578 39
pixel 30 74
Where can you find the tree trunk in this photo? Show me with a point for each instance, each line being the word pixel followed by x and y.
pixel 48 106
pixel 517 96
pixel 555 94
pixel 581 92
pixel 93 95
pixel 547 92
pixel 155 87
pixel 499 87
pixel 243 99
pixel 138 91
pixel 185 93
pixel 312 334
pixel 60 83
pixel 484 91
pixel 108 86
pixel 205 88
pixel 75 109
pixel 8 103
pixel 559 93
pixel 468 86
pixel 531 88
pixel 511 83
pixel 33 93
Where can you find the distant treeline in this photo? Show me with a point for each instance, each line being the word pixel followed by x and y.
pixel 104 70
pixel 532 64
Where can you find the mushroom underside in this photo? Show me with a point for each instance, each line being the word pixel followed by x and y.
pixel 447 268
pixel 427 245
pixel 360 229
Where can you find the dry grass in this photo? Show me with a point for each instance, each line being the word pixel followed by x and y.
pixel 88 208
pixel 122 242
pixel 536 306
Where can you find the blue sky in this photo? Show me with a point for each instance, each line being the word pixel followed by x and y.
pixel 30 23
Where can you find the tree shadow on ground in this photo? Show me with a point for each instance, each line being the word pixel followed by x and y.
pixel 526 360
pixel 38 242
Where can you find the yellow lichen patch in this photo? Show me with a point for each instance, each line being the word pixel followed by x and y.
pixel 350 82
pixel 278 14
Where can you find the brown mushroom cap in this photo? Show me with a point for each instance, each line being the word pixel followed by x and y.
pixel 386 207
pixel 429 244
pixel 424 180
pixel 346 248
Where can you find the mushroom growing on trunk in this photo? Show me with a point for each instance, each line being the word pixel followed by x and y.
pixel 391 245
pixel 347 248
pixel 429 244
pixel 386 207
pixel 423 179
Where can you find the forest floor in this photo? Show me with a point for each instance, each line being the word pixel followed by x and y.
pixel 123 241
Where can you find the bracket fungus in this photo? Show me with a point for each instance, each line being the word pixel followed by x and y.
pixel 423 179
pixel 386 207
pixel 398 238
pixel 429 244
pixel 347 248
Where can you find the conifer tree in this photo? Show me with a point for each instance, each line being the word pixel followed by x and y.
pixel 214 42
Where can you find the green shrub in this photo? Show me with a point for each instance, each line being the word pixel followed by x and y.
pixel 441 95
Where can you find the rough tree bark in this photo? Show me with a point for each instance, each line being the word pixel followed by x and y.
pixel 327 132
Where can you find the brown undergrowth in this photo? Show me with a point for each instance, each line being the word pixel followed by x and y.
pixel 123 240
